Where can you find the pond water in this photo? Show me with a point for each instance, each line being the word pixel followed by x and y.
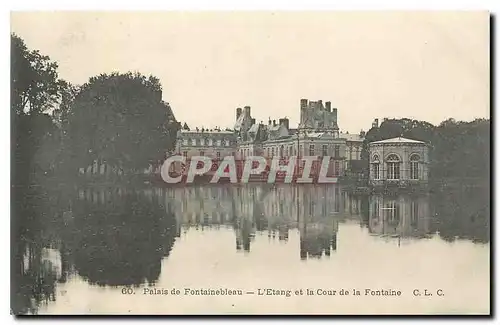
pixel 251 249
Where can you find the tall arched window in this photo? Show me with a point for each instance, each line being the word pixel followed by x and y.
pixel 376 167
pixel 393 163
pixel 414 160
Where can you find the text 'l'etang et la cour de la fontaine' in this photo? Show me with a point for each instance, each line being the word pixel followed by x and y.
pixel 268 292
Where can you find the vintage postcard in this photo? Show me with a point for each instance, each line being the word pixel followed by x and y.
pixel 250 163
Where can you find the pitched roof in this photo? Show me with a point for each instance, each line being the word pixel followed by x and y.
pixel 397 140
pixel 254 128
pixel 351 137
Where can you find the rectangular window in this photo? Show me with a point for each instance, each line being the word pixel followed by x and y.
pixel 414 170
pixel 202 153
pixel 272 151
pixel 185 142
pixel 393 170
pixel 337 151
pixel 311 150
pixel 376 171
pixel 324 150
pixel 210 142
pixel 202 142
pixel 218 154
pixel 185 153
pixel 337 168
pixel 301 152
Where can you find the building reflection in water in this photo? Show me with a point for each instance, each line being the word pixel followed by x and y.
pixel 311 209
pixel 400 216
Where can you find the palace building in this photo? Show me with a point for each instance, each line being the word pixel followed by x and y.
pixel 317 134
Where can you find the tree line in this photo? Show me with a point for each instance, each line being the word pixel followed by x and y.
pixel 118 119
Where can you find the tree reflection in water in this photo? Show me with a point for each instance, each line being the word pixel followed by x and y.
pixel 123 241
pixel 33 277
pixel 463 213
pixel 117 241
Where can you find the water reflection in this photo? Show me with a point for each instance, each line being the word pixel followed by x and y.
pixel 119 237
pixel 399 215
pixel 314 210
pixel 462 213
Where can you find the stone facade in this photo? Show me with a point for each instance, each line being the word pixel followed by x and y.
pixel 354 146
pixel 398 161
pixel 317 135
pixel 201 142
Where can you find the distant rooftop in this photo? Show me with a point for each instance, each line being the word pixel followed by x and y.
pixel 207 131
pixel 351 137
pixel 397 140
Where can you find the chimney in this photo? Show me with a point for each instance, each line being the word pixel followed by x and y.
pixel 320 104
pixel 253 121
pixel 274 122
pixel 362 134
pixel 334 111
pixel 385 119
pixel 303 104
pixel 238 112
pixel 247 111
pixel 269 122
pixel 328 106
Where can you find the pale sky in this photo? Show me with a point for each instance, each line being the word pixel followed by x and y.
pixel 424 65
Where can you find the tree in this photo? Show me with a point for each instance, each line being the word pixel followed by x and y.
pixel 121 120
pixel 35 91
pixel 35 86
